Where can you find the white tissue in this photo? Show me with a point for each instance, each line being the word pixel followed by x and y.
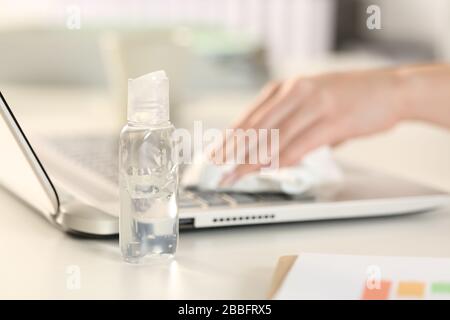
pixel 318 169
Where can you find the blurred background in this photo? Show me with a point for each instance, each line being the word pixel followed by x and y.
pixel 64 65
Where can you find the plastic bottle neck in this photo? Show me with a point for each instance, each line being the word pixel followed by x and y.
pixel 148 116
pixel 153 124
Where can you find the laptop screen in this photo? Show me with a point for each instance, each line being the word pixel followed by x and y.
pixel 20 170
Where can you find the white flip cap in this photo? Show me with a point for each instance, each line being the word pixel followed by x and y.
pixel 148 98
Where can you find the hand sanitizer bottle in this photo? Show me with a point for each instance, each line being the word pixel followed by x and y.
pixel 148 172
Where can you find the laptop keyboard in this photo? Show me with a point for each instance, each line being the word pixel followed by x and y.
pixel 96 153
pixel 100 154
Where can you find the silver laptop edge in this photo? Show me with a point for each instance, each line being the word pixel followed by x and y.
pixel 26 151
pixel 82 202
pixel 66 213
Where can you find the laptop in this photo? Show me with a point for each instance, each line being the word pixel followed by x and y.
pixel 73 183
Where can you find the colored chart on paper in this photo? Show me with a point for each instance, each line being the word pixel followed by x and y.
pixel 328 276
pixel 407 290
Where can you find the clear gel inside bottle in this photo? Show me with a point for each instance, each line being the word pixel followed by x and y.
pixel 148 173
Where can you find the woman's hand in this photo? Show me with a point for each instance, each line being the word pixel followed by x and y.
pixel 321 110
pixel 331 108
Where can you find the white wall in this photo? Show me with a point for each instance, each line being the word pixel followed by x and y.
pixel 423 21
pixel 287 27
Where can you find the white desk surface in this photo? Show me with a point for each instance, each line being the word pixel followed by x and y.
pixel 211 264
pixel 222 263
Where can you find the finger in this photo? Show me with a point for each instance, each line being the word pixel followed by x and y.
pixel 288 153
pixel 266 94
pixel 319 134
pixel 295 125
pixel 279 109
pixel 266 154
pixel 239 172
pixel 232 142
pixel 286 100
